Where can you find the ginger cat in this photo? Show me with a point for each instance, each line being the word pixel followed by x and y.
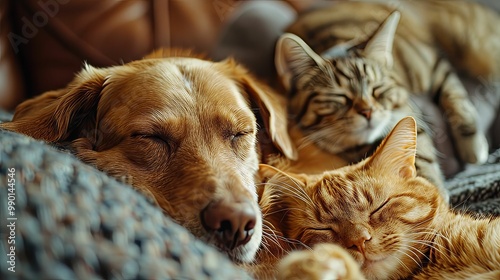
pixel 373 220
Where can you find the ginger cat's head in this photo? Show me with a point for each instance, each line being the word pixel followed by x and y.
pixel 378 209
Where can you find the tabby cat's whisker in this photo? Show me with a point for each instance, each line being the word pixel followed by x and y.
pixel 333 135
pixel 330 134
pixel 304 142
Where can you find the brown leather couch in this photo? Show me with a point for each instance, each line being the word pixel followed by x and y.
pixel 43 43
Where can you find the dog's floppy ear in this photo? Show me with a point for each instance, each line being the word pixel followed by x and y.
pixel 53 115
pixel 272 108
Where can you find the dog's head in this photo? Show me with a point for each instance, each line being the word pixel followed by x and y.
pixel 179 129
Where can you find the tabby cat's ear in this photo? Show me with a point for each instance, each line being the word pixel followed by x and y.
pixel 379 46
pixel 398 150
pixel 293 56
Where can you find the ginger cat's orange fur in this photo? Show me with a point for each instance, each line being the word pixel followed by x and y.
pixel 373 220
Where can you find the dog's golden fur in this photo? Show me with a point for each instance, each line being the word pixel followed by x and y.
pixel 175 126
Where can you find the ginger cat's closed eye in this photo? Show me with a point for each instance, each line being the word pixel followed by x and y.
pixel 376 219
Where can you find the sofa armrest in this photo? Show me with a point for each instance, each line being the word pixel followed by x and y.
pixel 11 86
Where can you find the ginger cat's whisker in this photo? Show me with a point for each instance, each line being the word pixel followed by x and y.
pixel 430 233
pixel 287 210
pixel 295 189
pixel 409 256
pixel 424 243
pixel 276 238
pixel 271 234
pixel 403 264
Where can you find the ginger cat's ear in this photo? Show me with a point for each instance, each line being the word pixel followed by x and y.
pixel 293 56
pixel 379 46
pixel 397 152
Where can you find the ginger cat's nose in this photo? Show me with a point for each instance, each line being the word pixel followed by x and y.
pixel 357 239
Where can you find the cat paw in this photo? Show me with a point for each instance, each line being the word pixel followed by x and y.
pixel 324 261
pixel 473 149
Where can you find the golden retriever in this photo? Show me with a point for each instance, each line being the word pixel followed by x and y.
pixel 177 127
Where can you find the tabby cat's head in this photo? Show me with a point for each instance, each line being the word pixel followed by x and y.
pixel 378 209
pixel 345 97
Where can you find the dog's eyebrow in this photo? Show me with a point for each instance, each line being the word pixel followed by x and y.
pixel 235 120
pixel 158 123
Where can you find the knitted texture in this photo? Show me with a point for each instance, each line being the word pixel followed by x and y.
pixel 477 189
pixel 74 222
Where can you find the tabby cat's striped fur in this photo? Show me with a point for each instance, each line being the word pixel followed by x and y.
pixel 350 78
pixel 375 218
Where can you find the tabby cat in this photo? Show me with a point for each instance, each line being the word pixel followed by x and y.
pixel 351 82
pixel 376 219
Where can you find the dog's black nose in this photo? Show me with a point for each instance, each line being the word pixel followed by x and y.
pixel 232 222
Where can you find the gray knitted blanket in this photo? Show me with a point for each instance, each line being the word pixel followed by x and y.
pixel 62 219
pixel 70 221
pixel 477 189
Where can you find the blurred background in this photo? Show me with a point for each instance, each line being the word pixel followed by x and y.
pixel 43 43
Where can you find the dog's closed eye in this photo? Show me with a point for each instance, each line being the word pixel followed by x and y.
pixel 149 136
pixel 238 135
pixel 156 139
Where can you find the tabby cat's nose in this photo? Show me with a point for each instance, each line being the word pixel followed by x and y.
pixel 367 113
